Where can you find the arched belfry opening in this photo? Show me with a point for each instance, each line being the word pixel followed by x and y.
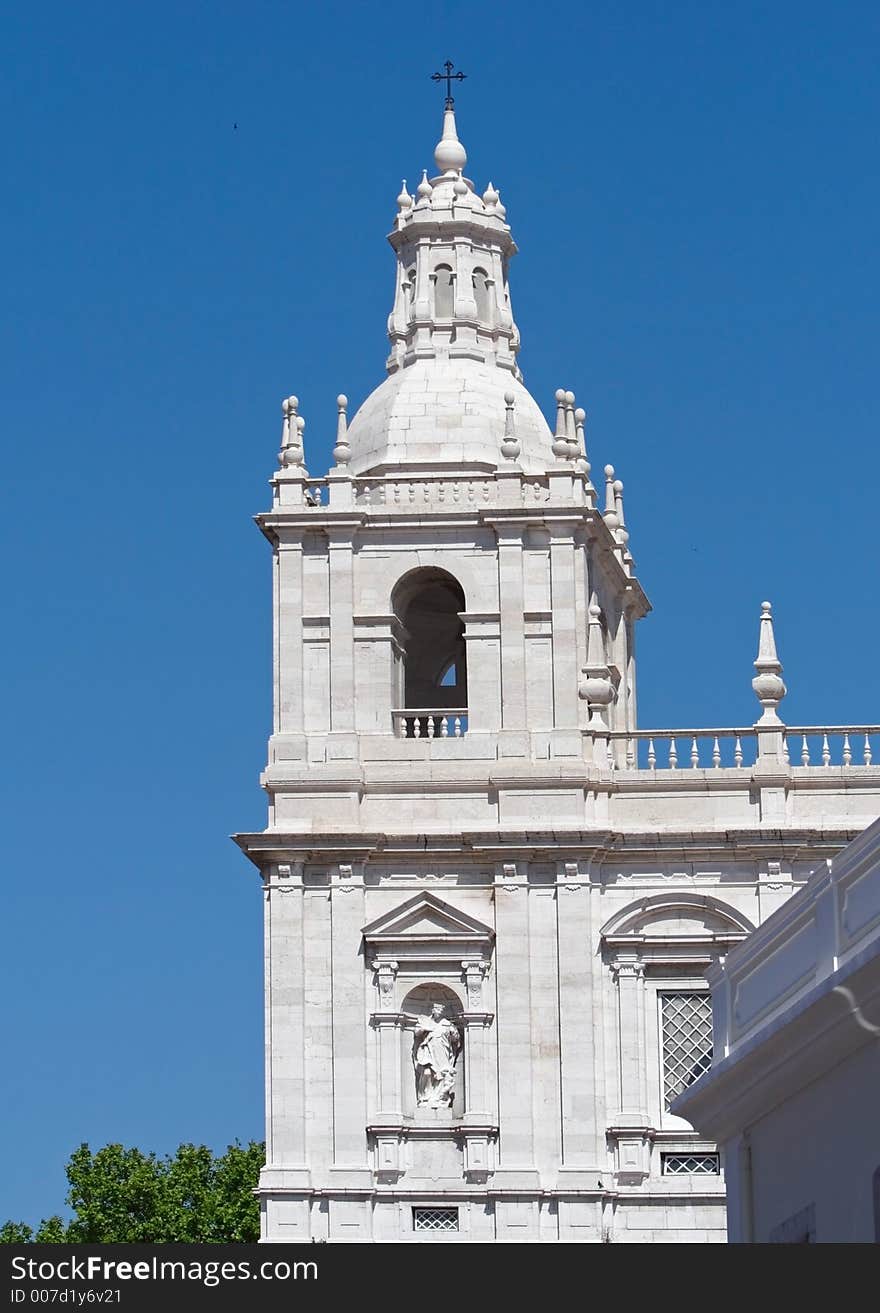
pixel 432 681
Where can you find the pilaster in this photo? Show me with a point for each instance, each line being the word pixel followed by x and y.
pixel 565 669
pixel 347 913
pixel 340 548
pixel 513 644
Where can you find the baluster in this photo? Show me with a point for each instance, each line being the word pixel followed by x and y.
pixel 652 755
pixel 444 728
pixel 673 755
pixel 412 492
pixel 457 727
pixel 430 727
pixel 737 752
pixel 716 753
pixel 805 752
pixel 847 751
pixel 867 753
pixel 695 755
pixel 417 727
pixel 785 756
pixel 826 751
pixel 630 754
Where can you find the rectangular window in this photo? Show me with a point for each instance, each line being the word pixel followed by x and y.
pixel 690 1164
pixel 435 1219
pixel 686 1021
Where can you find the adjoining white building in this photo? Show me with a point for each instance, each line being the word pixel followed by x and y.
pixel 793 1090
pixel 491 899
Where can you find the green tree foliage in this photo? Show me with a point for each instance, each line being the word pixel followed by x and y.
pixel 123 1196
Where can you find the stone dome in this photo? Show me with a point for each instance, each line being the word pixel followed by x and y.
pixel 439 413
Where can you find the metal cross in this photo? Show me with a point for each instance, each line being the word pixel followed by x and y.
pixel 448 77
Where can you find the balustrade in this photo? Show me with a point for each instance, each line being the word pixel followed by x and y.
pixel 425 723
pixel 712 749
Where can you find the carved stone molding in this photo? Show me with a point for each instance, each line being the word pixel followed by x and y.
pixel 623 970
pixel 475 970
pixel 386 972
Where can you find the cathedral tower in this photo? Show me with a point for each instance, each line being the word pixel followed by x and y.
pixel 490 897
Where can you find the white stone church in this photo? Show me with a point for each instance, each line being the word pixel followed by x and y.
pixel 491 898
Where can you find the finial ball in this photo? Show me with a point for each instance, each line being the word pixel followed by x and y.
pixel 618 485
pixel 765 607
pixel 560 394
pixel 569 398
pixel 595 611
pixel 509 398
pixel 342 401
pixel 580 415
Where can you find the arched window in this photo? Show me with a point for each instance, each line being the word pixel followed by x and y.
pixel 481 295
pixel 428 603
pixel 443 292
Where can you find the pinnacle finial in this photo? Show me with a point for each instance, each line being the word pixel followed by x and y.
pixel 424 190
pixel 342 450
pixel 597 688
pixel 609 515
pixel 582 464
pixel 450 155
pixel 292 425
pixel 622 533
pixel 767 684
pixel 560 437
pixel 404 200
pixel 510 445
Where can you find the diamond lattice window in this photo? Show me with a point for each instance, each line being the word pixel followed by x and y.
pixel 435 1219
pixel 690 1164
pixel 687 1040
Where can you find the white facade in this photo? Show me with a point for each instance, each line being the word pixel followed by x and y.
pixel 793 1093
pixel 462 810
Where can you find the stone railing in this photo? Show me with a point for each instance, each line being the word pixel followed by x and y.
pixel 425 723
pixel 740 748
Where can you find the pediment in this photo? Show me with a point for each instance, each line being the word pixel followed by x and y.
pixel 677 918
pixel 427 922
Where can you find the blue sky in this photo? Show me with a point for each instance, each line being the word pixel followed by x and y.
pixel 694 192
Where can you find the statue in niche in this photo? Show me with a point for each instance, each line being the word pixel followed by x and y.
pixel 435 1050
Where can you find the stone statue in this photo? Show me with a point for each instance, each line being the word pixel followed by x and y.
pixel 435 1049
